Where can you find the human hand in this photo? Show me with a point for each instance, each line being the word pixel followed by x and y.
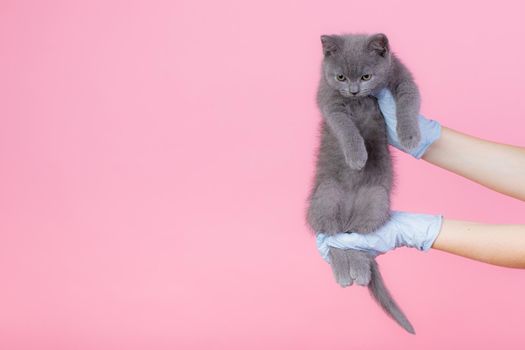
pixel 402 230
pixel 430 129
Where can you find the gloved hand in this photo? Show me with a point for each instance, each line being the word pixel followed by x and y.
pixel 402 230
pixel 430 129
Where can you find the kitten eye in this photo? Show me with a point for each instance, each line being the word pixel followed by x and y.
pixel 366 77
pixel 340 77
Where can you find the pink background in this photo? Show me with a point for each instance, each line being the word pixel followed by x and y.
pixel 155 159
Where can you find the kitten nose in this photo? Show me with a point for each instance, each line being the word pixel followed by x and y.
pixel 354 93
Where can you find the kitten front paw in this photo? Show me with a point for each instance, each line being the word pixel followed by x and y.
pixel 350 266
pixel 356 156
pixel 408 133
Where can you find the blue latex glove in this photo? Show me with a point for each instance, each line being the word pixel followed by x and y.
pixel 430 129
pixel 402 230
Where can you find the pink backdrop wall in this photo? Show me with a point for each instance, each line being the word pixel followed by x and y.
pixel 155 158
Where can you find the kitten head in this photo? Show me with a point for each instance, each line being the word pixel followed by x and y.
pixel 356 64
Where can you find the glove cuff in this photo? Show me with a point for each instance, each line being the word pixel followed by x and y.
pixel 416 230
pixel 432 233
pixel 431 130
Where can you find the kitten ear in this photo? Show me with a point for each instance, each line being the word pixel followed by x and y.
pixel 329 44
pixel 379 44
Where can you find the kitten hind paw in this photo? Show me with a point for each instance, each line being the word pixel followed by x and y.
pixel 350 266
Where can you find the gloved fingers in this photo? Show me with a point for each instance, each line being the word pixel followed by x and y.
pixel 322 246
pixel 385 95
pixel 357 241
pixel 387 105
pixel 372 243
pixel 430 129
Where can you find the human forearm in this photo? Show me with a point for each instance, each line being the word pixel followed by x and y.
pixel 497 166
pixel 502 245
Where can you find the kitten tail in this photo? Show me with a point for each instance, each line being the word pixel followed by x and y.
pixel 381 294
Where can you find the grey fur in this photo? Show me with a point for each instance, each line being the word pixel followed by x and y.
pixel 353 182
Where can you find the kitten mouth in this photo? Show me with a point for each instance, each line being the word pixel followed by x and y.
pixel 349 94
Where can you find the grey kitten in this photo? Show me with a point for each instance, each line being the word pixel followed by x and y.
pixel 351 190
